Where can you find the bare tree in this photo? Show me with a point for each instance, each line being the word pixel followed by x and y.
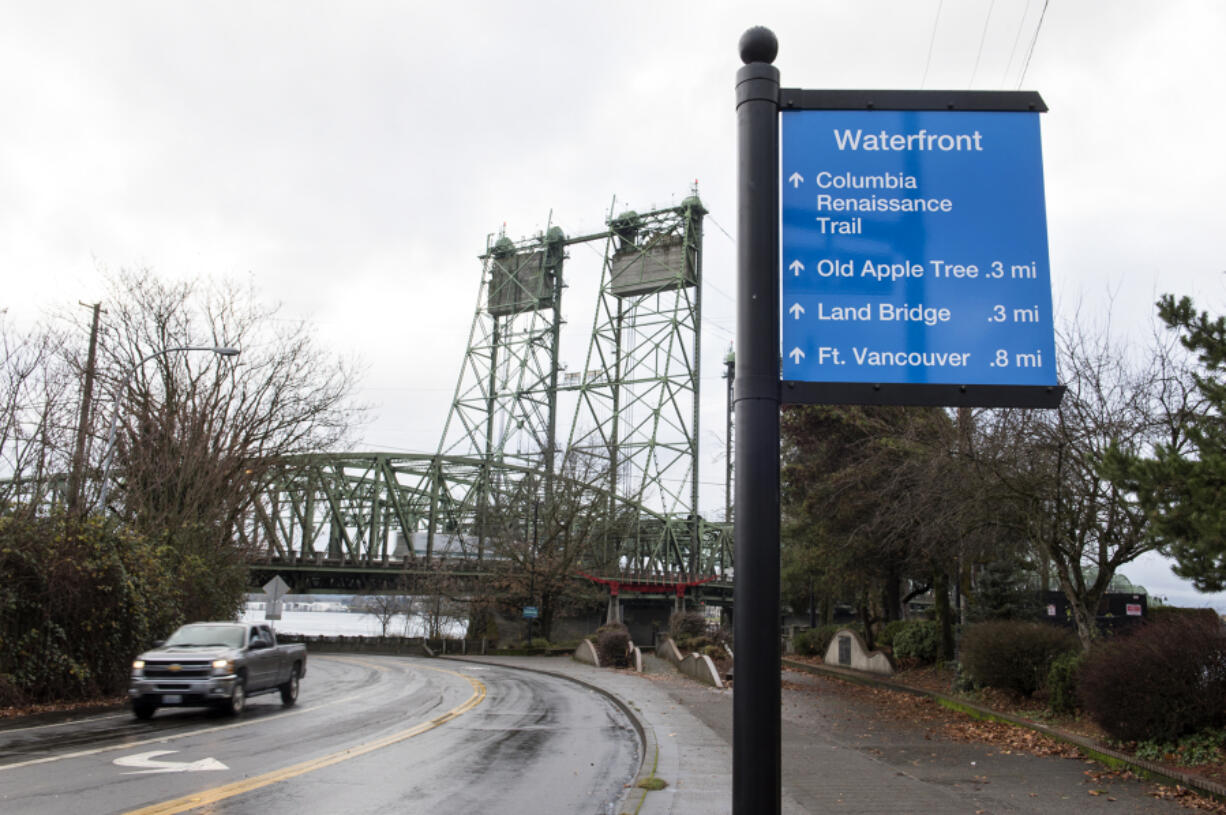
pixel 198 435
pixel 544 529
pixel 36 400
pixel 1049 465
pixel 385 607
pixel 197 439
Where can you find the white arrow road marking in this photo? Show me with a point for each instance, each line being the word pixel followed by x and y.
pixel 797 309
pixel 149 765
pixel 797 267
pixel 796 179
pixel 163 738
pixel 797 355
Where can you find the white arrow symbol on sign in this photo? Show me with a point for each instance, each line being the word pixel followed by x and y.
pixel 276 589
pixel 797 309
pixel 148 765
pixel 796 179
pixel 797 267
pixel 797 355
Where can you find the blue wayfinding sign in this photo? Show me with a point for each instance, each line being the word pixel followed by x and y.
pixel 914 248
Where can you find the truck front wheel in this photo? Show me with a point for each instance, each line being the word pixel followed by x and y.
pixel 143 710
pixel 289 690
pixel 238 697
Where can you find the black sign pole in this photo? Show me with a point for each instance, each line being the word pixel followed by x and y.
pixel 756 696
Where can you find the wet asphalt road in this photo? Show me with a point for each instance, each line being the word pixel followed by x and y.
pixel 370 734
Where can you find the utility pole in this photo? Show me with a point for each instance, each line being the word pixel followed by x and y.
pixel 729 426
pixel 76 476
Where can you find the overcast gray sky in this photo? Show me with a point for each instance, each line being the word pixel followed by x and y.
pixel 349 159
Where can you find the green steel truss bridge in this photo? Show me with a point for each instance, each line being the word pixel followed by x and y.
pixel 630 415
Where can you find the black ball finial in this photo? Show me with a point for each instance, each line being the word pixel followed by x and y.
pixel 758 44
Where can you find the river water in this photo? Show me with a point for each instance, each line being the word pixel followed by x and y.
pixel 342 624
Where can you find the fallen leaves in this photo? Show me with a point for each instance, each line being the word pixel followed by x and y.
pixel 1008 738
pixel 87 706
pixel 1186 798
pixel 938 722
pixel 1179 794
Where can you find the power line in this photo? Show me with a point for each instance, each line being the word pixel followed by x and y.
pixel 1017 37
pixel 982 39
pixel 1033 43
pixel 711 218
pixel 932 41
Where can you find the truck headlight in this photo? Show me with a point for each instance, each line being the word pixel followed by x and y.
pixel 138 665
pixel 223 666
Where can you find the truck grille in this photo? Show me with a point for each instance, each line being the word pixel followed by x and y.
pixel 178 670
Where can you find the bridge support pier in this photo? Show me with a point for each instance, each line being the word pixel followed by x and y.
pixel 614 613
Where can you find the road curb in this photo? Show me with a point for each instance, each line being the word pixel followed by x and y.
pixel 650 751
pixel 1113 759
pixel 58 716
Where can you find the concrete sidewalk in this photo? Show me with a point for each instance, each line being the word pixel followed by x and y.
pixel 842 752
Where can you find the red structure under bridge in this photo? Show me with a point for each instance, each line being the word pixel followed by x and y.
pixel 674 584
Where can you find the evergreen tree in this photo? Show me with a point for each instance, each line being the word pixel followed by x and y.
pixel 872 506
pixel 1183 486
pixel 1002 592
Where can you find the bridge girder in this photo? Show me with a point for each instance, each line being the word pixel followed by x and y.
pixel 339 511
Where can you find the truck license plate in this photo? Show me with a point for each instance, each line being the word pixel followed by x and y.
pixel 172 699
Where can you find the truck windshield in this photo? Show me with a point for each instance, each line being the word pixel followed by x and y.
pixel 230 636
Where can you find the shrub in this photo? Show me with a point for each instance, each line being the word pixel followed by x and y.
pixel 78 600
pixel 686 625
pixel 1013 656
pixel 806 643
pixel 1159 614
pixel 1062 683
pixel 919 640
pixel 613 645
pixel 814 641
pixel 885 637
pixel 1203 747
pixel 10 694
pixel 1162 681
pixel 695 643
pixel 539 643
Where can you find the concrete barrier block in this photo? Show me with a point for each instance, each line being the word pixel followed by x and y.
pixel 700 667
pixel 586 652
pixel 667 649
pixel 847 650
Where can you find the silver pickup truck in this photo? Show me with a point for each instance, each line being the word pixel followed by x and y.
pixel 215 665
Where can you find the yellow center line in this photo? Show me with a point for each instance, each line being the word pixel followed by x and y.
pixel 212 796
pixel 162 738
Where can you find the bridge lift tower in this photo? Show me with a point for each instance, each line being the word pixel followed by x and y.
pixel 636 399
pixel 633 418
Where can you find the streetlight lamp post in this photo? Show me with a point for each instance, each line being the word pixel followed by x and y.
pixel 110 439
pixel 536 541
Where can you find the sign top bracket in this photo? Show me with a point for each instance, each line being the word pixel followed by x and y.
pixel 1002 101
